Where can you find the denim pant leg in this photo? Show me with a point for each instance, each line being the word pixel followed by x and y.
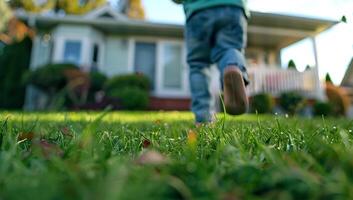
pixel 230 41
pixel 200 95
pixel 198 58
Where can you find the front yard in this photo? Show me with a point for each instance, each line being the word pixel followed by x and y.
pixel 125 155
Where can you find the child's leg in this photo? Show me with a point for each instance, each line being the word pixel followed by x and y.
pixel 198 58
pixel 228 52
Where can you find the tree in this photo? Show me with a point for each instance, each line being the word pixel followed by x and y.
pixel 136 10
pixel 307 68
pixel 6 15
pixel 12 90
pixel 77 7
pixel 328 78
pixel 32 6
pixel 292 65
pixel 132 8
pixel 15 3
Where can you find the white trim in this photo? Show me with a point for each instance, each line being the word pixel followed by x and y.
pixel 107 9
pixel 159 72
pixel 131 55
pixel 88 38
pixel 85 54
pixel 133 67
pixel 280 31
pixel 320 94
pixel 163 91
pixel 159 91
pixel 60 48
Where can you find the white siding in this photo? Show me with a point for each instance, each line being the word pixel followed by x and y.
pixel 116 56
pixel 41 50
pixel 86 35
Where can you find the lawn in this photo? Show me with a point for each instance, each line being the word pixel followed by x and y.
pixel 121 155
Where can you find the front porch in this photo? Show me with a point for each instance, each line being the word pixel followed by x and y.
pixel 275 81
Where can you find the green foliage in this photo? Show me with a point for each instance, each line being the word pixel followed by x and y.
pixel 86 155
pixel 323 109
pixel 307 68
pixel 15 3
pixel 6 15
pixel 292 65
pixel 132 98
pixel 339 101
pixel 130 80
pixel 132 90
pixel 328 78
pixel 49 78
pixel 14 61
pixel 97 81
pixel 291 102
pixel 344 19
pixel 262 103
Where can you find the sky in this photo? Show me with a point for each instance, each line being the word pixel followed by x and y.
pixel 335 46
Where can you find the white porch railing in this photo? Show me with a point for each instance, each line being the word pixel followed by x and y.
pixel 276 81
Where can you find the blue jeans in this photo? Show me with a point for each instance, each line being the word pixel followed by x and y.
pixel 213 36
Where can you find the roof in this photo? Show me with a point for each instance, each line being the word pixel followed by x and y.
pixel 347 80
pixel 265 29
pixel 278 30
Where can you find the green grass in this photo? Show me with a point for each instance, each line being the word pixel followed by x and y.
pixel 97 156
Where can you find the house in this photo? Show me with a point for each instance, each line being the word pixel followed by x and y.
pixel 347 85
pixel 347 80
pixel 108 41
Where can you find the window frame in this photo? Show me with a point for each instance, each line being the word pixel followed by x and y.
pixel 80 53
pixel 173 92
pixel 159 90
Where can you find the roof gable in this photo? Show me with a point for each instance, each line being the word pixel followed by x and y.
pixel 348 77
pixel 105 11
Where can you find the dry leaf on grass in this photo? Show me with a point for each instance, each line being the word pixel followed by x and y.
pixel 152 157
pixel 25 136
pixel 49 149
pixel 146 143
pixel 66 132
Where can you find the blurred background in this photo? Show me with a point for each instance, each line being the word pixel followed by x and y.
pixel 130 54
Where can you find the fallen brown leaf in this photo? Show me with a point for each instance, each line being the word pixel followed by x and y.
pixel 25 136
pixel 152 157
pixel 146 143
pixel 66 131
pixel 49 149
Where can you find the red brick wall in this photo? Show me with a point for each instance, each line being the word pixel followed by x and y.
pixel 169 104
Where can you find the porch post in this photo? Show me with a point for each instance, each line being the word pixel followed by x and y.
pixel 319 88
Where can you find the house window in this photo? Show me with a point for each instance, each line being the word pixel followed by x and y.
pixel 95 57
pixel 173 66
pixel 72 52
pixel 145 60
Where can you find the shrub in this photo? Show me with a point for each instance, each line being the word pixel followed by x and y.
pixel 262 103
pixel 97 81
pixel 131 98
pixel 291 102
pixel 328 79
pixel 49 78
pixel 52 79
pixel 336 97
pixel 14 62
pixel 322 109
pixel 132 80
